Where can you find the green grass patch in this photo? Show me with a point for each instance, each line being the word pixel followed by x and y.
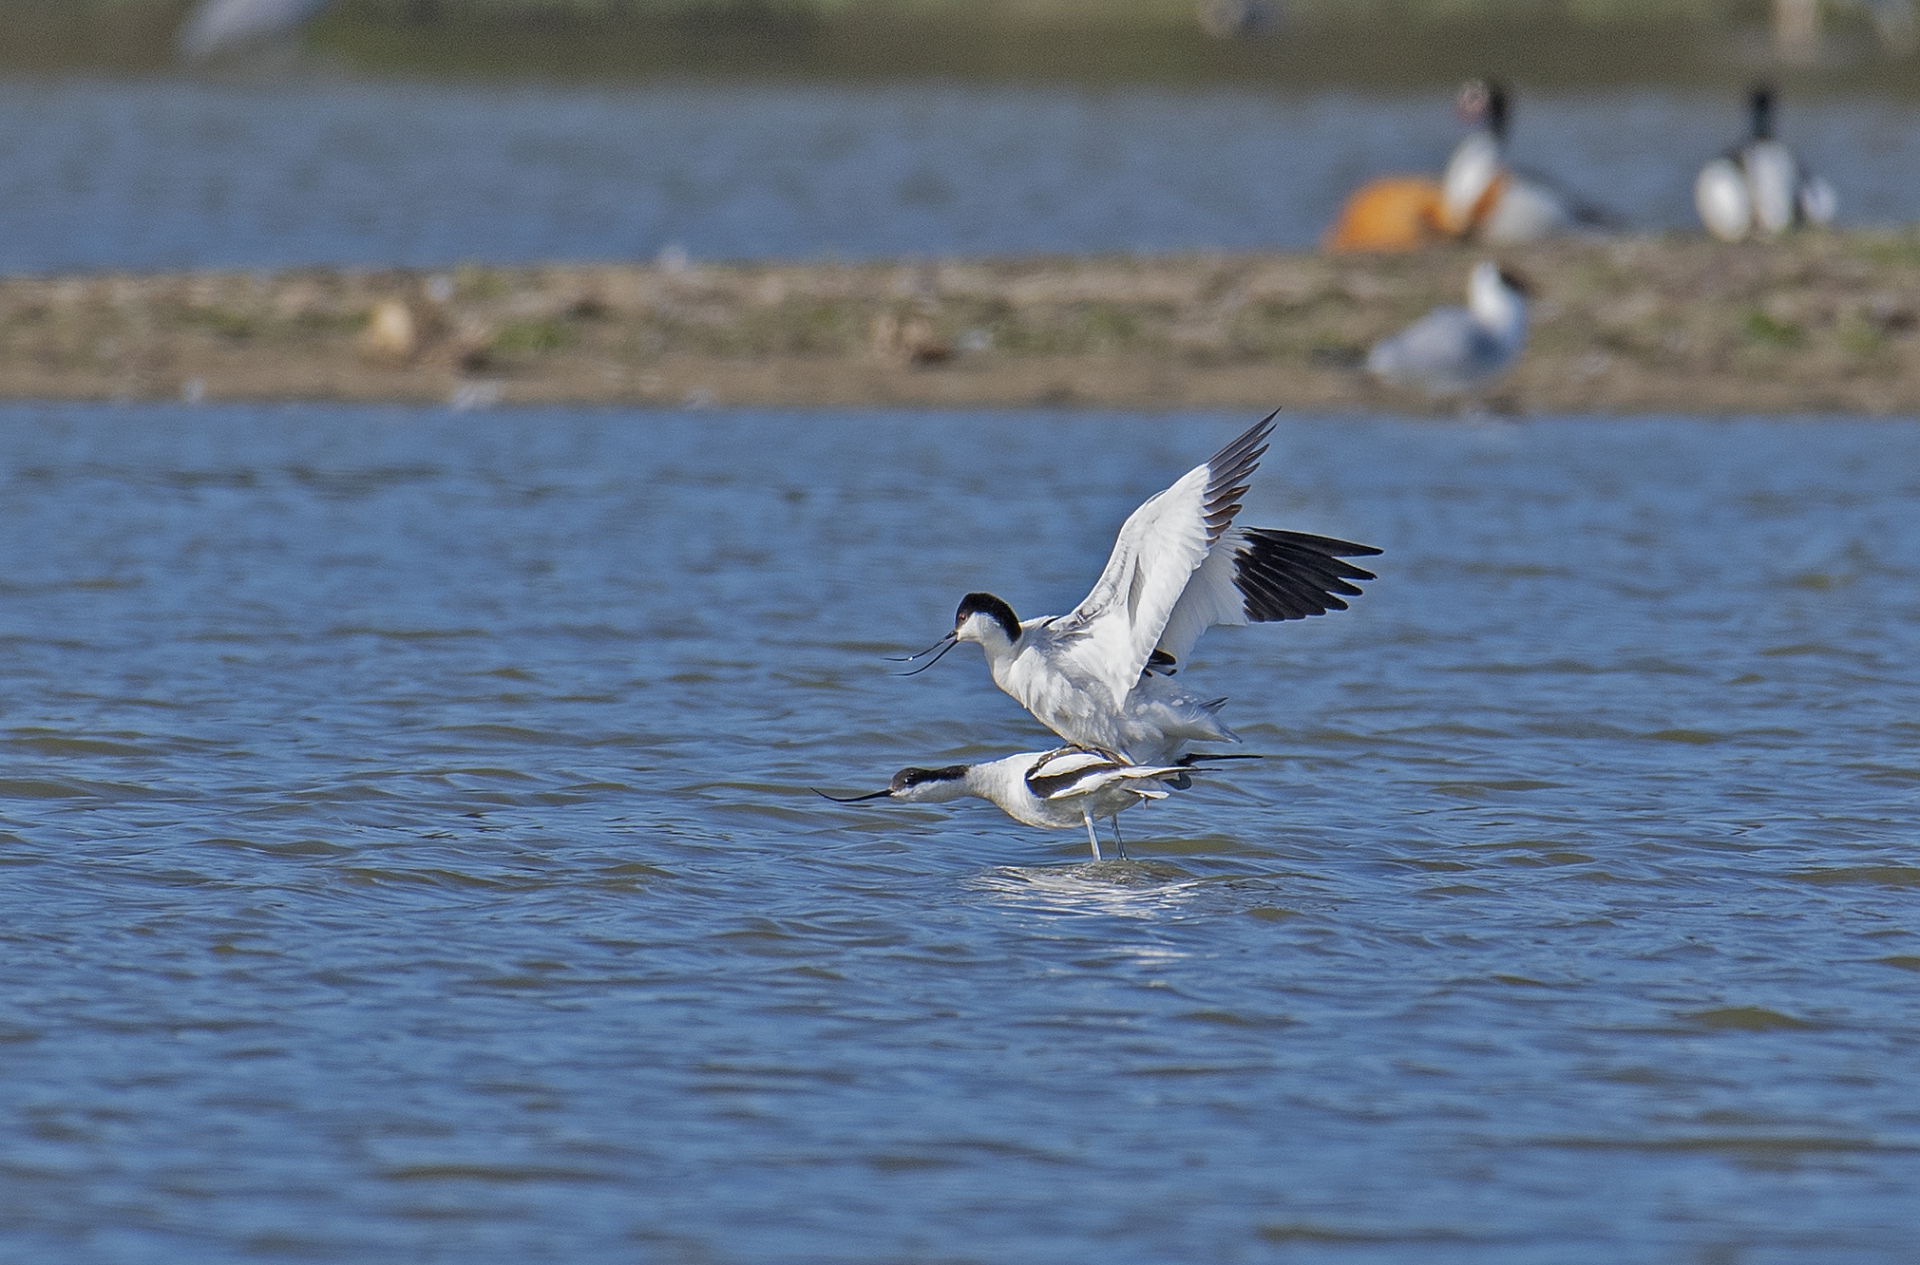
pixel 222 321
pixel 534 336
pixel 1770 331
pixel 1861 337
pixel 1109 328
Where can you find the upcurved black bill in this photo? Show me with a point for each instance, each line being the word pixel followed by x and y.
pixel 909 658
pixel 852 799
pixel 951 643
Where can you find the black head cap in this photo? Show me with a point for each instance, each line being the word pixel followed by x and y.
pixel 992 607
pixel 907 778
pixel 1516 282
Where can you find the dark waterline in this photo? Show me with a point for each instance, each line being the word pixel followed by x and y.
pixel 155 175
pixel 409 852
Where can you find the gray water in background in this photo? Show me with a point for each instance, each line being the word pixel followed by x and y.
pixel 160 174
pixel 408 852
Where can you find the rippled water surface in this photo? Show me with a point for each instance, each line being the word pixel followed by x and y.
pixel 408 852
pixel 164 174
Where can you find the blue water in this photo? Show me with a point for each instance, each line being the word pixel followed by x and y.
pixel 161 174
pixel 409 854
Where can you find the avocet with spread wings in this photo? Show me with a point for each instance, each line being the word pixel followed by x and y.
pixel 1101 676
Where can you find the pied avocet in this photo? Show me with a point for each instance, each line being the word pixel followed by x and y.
pixel 1054 790
pixel 1100 675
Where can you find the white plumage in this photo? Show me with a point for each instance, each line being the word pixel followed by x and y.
pixel 1453 350
pixel 1053 790
pixel 1483 197
pixel 1100 676
pixel 1759 189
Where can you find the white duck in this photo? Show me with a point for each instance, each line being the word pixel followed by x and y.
pixel 1759 189
pixel 1054 790
pixel 1454 350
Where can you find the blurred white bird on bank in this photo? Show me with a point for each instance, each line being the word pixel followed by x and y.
pixel 217 27
pixel 1454 350
pixel 1758 189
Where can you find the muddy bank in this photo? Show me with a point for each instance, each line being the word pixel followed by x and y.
pixel 1822 323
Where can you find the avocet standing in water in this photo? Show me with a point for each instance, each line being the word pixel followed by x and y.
pixel 1453 350
pixel 1100 676
pixel 1054 790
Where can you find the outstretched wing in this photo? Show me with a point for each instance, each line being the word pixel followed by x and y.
pixel 1257 575
pixel 1161 545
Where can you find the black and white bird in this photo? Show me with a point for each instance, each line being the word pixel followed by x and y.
pixel 1101 676
pixel 1054 790
pixel 1453 350
pixel 1759 188
pixel 1485 198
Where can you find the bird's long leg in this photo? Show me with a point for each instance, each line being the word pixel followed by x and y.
pixel 1092 838
pixel 1116 837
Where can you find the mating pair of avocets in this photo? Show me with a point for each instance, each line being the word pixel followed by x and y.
pixel 1101 676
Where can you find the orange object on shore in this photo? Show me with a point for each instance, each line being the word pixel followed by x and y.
pixel 1389 213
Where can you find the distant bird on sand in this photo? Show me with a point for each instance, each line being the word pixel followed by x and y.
pixel 1054 790
pixel 1454 350
pixel 1101 676
pixel 217 27
pixel 1759 189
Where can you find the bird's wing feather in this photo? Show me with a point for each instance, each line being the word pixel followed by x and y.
pixel 1258 575
pixel 1063 774
pixel 1111 633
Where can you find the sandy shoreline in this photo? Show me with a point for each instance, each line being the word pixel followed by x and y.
pixel 1821 323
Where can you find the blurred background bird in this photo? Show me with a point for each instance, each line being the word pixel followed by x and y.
pixel 1453 350
pixel 1484 197
pixel 1479 196
pixel 1759 189
pixel 215 28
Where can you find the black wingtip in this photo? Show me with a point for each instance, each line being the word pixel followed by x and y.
pixel 1285 575
pixel 1228 473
